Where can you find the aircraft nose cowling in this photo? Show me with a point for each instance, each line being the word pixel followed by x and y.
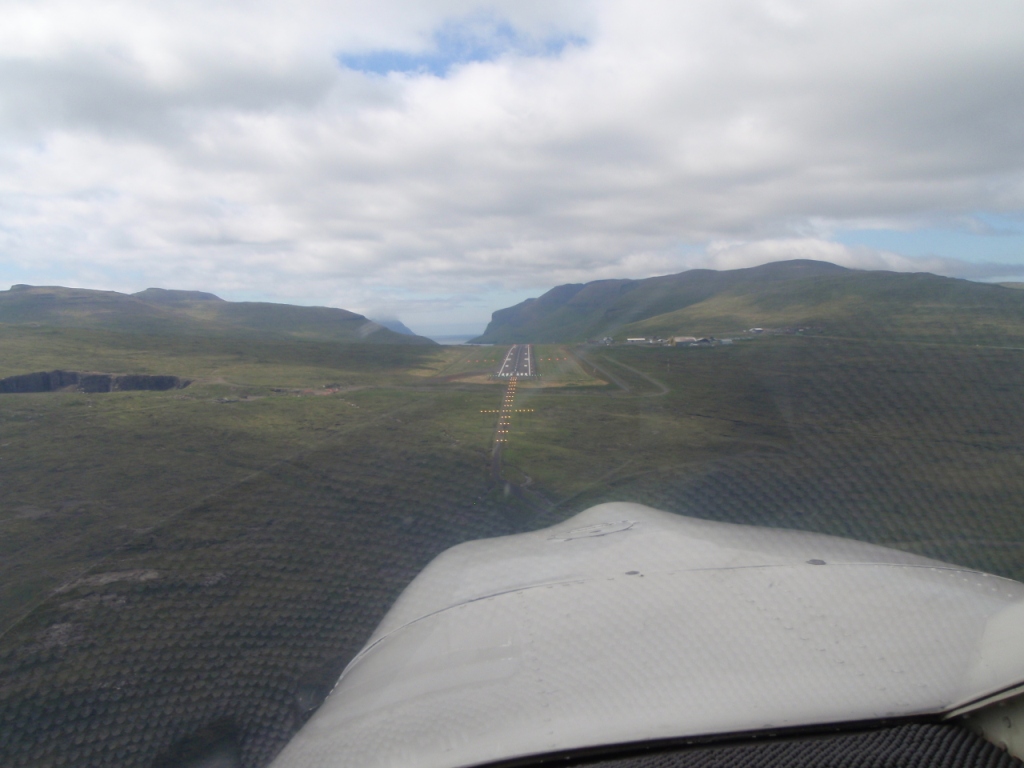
pixel 628 624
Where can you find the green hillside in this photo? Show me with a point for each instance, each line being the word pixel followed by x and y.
pixel 787 294
pixel 191 313
pixel 864 304
pixel 578 312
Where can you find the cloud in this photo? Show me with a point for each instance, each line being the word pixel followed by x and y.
pixel 475 39
pixel 734 255
pixel 488 149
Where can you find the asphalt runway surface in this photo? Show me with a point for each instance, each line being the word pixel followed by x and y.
pixel 518 362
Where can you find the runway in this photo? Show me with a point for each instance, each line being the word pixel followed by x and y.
pixel 518 362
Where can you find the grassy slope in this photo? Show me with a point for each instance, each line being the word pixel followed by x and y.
pixel 79 308
pixel 256 361
pixel 912 445
pixel 311 323
pixel 105 466
pixel 178 313
pixel 785 294
pixel 580 312
pixel 868 304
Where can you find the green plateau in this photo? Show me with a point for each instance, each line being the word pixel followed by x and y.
pixel 188 313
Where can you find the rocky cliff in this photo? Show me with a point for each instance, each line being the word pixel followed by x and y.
pixel 54 381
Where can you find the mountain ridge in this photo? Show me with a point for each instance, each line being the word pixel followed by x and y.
pixel 581 311
pixel 161 311
pixel 396 325
pixel 780 294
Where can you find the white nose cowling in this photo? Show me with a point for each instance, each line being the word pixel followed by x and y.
pixel 628 624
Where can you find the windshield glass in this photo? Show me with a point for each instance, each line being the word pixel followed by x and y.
pixel 745 263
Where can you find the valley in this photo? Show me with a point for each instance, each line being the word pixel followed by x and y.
pixel 206 559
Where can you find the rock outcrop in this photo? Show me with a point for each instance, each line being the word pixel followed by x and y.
pixel 55 381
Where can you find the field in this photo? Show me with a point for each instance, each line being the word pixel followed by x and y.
pixel 195 566
pixel 559 366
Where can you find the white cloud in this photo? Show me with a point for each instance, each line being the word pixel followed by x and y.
pixel 735 255
pixel 222 145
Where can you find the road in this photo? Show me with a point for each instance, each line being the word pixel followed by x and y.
pixel 518 362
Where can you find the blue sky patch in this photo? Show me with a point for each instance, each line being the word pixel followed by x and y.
pixel 984 237
pixel 459 42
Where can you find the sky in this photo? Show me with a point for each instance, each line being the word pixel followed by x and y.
pixel 434 161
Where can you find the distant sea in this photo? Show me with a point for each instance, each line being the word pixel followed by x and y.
pixel 457 339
